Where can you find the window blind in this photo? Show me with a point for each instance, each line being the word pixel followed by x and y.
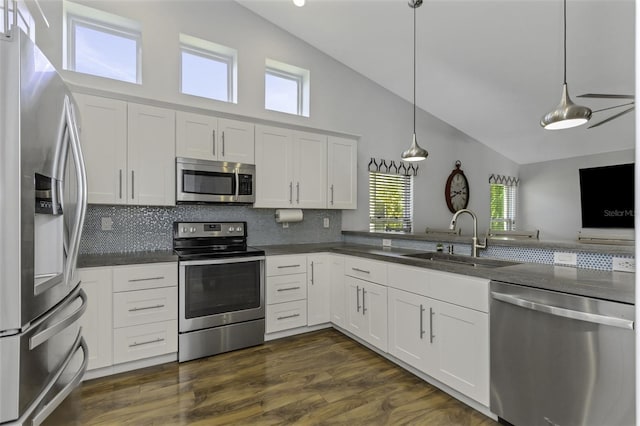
pixel 390 202
pixel 503 193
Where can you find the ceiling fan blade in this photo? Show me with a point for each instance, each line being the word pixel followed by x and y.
pixel 613 117
pixel 605 96
pixel 614 107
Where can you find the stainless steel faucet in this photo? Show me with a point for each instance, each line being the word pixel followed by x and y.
pixel 475 244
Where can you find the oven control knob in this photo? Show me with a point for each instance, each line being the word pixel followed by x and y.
pixel 239 229
pixel 184 229
pixel 192 229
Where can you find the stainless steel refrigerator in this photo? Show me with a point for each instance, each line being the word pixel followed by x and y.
pixel 42 207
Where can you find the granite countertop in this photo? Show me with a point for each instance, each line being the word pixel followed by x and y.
pixel 614 286
pixel 126 258
pixel 525 243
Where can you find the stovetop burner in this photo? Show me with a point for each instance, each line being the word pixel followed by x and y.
pixel 206 240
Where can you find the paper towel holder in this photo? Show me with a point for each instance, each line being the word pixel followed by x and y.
pixel 288 215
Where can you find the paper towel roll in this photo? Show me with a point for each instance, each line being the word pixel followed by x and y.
pixel 288 215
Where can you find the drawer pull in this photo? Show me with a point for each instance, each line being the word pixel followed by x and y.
pixel 361 270
pixel 288 288
pixel 288 266
pixel 146 343
pixel 135 280
pixel 288 316
pixel 145 308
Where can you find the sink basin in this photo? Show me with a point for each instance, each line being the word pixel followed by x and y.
pixel 476 262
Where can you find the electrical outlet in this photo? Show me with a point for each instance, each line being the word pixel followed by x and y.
pixel 565 258
pixel 624 264
pixel 386 242
pixel 106 224
pixel 325 222
pixel 285 224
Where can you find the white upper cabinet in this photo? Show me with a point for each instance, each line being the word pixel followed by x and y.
pixel 129 151
pixel 342 184
pixel 103 135
pixel 310 170
pixel 274 167
pixel 291 168
pixel 151 150
pixel 210 138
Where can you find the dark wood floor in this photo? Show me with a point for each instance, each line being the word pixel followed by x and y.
pixel 311 379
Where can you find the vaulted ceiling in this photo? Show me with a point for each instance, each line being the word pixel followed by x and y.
pixel 490 68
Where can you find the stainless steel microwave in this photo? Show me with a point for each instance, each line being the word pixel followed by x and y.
pixel 202 181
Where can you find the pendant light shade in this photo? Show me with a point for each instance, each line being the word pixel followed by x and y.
pixel 567 114
pixel 415 152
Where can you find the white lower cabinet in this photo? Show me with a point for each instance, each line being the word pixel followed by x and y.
pixel 445 340
pixel 318 289
pixel 283 316
pixel 132 312
pixel 366 311
pixel 337 291
pixel 96 321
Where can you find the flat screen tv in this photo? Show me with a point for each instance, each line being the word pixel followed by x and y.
pixel 607 196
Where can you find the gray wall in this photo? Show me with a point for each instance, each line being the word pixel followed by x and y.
pixel 341 99
pixel 550 193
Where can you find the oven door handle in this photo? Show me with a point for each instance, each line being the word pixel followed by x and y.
pixel 221 261
pixel 564 312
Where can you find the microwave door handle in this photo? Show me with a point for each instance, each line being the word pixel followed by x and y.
pixel 237 184
pixel 81 176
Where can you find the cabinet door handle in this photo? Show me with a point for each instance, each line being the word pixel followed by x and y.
pixel 120 184
pixel 133 185
pixel 431 335
pixel 363 299
pixel 134 344
pixel 290 192
pixel 332 194
pixel 288 266
pixel 421 328
pixel 223 143
pixel 312 273
pixel 298 192
pixel 145 308
pixel 361 270
pixel 357 298
pixel 146 279
pixel 213 139
pixel 288 288
pixel 288 316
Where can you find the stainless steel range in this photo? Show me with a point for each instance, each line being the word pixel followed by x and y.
pixel 221 289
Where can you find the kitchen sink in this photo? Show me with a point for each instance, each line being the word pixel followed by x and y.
pixel 476 262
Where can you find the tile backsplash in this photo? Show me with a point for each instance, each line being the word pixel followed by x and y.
pixel 137 228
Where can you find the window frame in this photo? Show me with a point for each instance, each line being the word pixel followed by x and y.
pixel 298 79
pixel 302 79
pixel 74 19
pixel 510 203
pixel 228 60
pixel 406 220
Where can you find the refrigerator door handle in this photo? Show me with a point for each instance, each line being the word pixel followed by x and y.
pixel 81 206
pixel 40 416
pixel 44 335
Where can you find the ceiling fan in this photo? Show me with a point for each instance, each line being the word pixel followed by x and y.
pixel 631 105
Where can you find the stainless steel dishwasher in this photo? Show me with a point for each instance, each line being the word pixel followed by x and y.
pixel 561 359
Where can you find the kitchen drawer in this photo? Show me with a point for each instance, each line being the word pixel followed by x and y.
pixel 283 316
pixel 462 290
pixel 141 277
pixel 365 269
pixel 145 306
pixel 286 288
pixel 144 341
pixel 286 265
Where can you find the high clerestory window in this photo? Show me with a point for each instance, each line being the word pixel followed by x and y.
pixel 502 202
pixel 286 88
pixel 208 70
pixel 102 44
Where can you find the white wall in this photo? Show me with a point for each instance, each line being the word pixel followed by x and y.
pixel 550 193
pixel 341 99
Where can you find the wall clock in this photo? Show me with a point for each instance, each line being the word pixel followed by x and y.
pixel 456 191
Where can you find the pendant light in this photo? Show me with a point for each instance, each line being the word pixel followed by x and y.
pixel 415 152
pixel 567 114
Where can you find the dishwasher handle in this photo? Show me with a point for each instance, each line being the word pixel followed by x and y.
pixel 563 312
